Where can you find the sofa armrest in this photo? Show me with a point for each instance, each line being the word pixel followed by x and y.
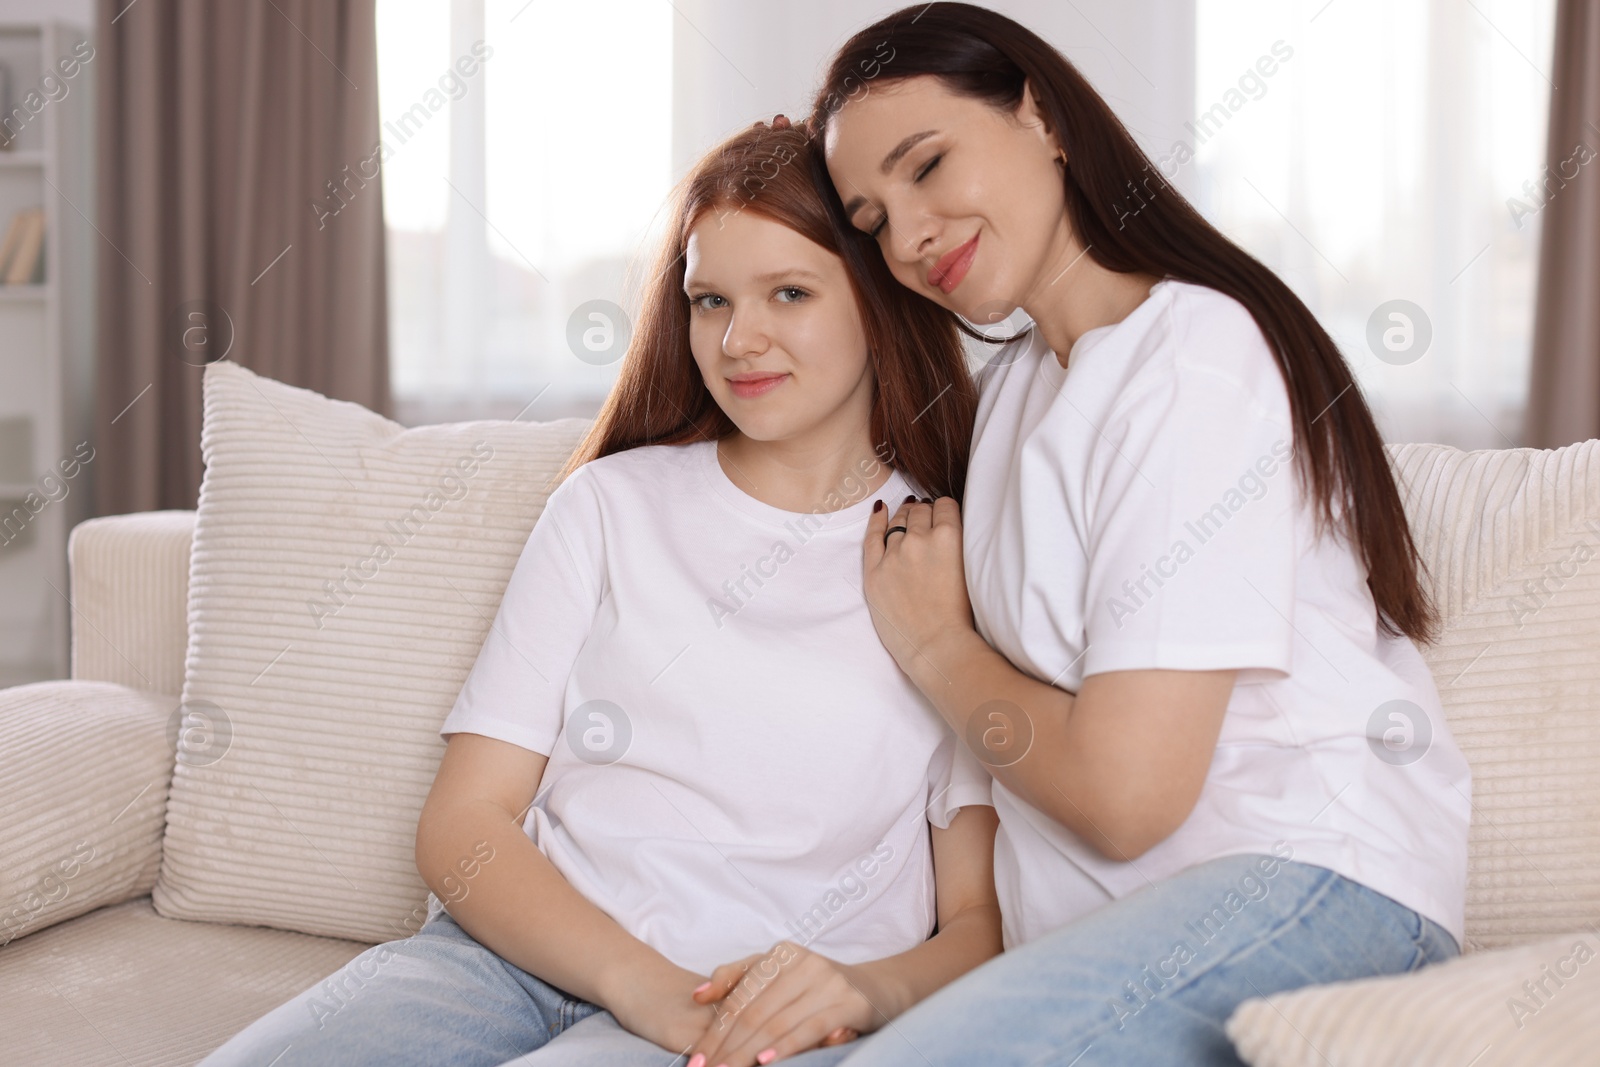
pixel 130 599
pixel 84 771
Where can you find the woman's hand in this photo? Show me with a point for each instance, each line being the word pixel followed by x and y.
pixel 916 585
pixel 658 1004
pixel 779 1003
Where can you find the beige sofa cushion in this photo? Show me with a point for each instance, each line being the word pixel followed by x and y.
pixel 83 781
pixel 1534 1004
pixel 123 987
pixel 1512 538
pixel 345 571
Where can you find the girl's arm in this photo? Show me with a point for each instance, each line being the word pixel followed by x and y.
pixel 969 920
pixel 1120 764
pixel 789 1000
pixel 518 905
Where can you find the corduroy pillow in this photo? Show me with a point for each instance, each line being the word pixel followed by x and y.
pixel 344 574
pixel 1512 540
pixel 1534 1004
pixel 84 775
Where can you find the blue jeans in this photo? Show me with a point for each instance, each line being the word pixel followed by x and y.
pixel 1115 988
pixel 439 997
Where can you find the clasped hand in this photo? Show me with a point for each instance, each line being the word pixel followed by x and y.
pixel 776 1004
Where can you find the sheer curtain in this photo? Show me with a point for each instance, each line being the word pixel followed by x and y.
pixel 1389 169
pixel 531 153
pixel 532 146
pixel 1384 156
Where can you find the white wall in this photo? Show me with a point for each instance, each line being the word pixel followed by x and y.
pixel 736 61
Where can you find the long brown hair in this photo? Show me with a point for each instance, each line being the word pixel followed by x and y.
pixel 981 54
pixel 924 399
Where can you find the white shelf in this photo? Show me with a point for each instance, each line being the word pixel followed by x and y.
pixel 46 349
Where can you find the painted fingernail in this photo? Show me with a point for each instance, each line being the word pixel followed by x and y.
pixel 698 1060
pixel 701 988
pixel 927 500
pixel 912 499
pixel 877 506
pixel 766 1056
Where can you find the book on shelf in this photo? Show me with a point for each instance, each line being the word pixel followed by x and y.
pixel 8 136
pixel 22 254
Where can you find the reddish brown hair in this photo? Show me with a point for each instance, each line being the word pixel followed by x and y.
pixel 924 400
pixel 1131 220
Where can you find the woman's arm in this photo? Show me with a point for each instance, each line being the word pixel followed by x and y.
pixel 520 907
pixel 794 999
pixel 1120 764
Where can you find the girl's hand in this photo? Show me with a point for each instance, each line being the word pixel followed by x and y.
pixel 777 1004
pixel 658 1004
pixel 916 585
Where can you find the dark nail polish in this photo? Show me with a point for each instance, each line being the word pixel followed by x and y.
pixel 877 506
pixel 909 500
pixel 927 500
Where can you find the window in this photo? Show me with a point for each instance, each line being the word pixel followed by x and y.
pixel 1395 152
pixel 531 154
pixel 1368 151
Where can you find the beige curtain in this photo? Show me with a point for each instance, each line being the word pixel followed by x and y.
pixel 1564 394
pixel 242 217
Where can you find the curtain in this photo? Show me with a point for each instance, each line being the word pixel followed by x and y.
pixel 241 207
pixel 1564 394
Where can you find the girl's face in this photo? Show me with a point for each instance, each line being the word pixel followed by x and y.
pixel 774 328
pixel 965 201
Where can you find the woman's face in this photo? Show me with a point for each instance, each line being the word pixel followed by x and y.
pixel 774 328
pixel 965 201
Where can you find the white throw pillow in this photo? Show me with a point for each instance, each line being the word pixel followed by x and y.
pixel 1512 540
pixel 1534 1004
pixel 345 572
pixel 84 778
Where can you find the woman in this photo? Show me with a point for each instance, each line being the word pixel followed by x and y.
pixel 1177 612
pixel 728 783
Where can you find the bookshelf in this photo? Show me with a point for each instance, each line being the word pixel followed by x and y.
pixel 46 340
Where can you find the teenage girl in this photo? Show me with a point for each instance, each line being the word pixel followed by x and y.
pixel 1178 608
pixel 707 816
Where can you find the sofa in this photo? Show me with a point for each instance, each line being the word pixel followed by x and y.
pixel 217 810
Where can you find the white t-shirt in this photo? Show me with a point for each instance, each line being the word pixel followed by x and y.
pixel 734 757
pixel 1139 509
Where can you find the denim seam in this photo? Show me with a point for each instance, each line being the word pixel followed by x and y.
pixel 1420 943
pixel 1430 942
